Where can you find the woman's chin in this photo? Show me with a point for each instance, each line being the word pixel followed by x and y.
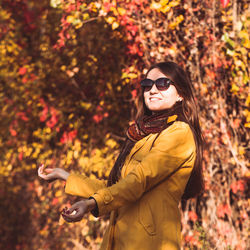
pixel 157 108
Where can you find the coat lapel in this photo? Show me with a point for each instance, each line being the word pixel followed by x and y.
pixel 137 147
pixel 134 150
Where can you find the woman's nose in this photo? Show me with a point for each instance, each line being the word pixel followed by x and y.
pixel 154 89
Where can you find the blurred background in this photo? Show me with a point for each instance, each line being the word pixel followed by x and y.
pixel 69 73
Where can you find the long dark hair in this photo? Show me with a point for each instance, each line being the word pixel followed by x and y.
pixel 184 88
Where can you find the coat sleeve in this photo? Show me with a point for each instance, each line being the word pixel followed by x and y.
pixel 171 150
pixel 81 185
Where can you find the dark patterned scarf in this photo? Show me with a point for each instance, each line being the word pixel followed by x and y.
pixel 155 123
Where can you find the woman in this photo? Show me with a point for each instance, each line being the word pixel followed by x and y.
pixel 159 165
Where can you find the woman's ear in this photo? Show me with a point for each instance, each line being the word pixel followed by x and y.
pixel 179 99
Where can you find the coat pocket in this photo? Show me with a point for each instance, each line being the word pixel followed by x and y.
pixel 146 217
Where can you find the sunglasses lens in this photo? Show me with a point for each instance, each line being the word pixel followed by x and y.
pixel 163 83
pixel 147 84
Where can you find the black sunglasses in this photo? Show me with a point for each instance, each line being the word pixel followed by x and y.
pixel 160 83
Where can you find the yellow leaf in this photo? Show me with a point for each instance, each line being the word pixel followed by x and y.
pixel 174 3
pixel 9 167
pixel 248 100
pixel 111 143
pixel 247 125
pixel 85 230
pixel 47 130
pixel 243 34
pixel 172 118
pixel 246 44
pixel 74 62
pixel 247 174
pixel 115 25
pixel 165 9
pixel 85 105
pixel 110 20
pixel 155 6
pixel 28 152
pixel 35 154
pixel 121 11
pixel 163 2
pixel 177 21
pixel 180 18
pixel 85 16
pixel 239 63
pixel 234 88
pixel 58 193
pixel 109 85
pixel 70 19
pixel 241 150
pixel 79 25
pixel 10 48
pixel 88 239
pixel 113 9
pixel 61 220
pixel 132 75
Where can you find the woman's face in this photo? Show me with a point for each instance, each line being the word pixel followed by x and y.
pixel 157 100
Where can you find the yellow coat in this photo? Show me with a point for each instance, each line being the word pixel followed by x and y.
pixel 144 203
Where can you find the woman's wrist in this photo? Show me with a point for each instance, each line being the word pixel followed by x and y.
pixel 64 175
pixel 91 204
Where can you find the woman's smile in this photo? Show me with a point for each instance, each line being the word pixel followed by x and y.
pixel 154 98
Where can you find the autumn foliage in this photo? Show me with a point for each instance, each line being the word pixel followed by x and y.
pixel 69 72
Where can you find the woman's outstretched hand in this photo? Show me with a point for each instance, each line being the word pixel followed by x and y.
pixel 52 174
pixel 77 210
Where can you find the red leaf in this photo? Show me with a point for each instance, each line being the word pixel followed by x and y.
pixel 192 216
pixel 134 93
pixel 210 73
pixel 13 132
pixel 72 134
pixel 54 118
pixel 22 116
pixel 224 3
pixel 20 156
pixel 191 239
pixel 43 117
pixel 97 118
pixel 223 210
pixel 236 123
pixel 33 77
pixel 99 108
pixel 24 80
pixel 64 138
pixel 54 201
pixel 52 122
pixel 68 137
pixel 22 71
pixel 238 186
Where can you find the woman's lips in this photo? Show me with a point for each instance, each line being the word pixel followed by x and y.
pixel 154 99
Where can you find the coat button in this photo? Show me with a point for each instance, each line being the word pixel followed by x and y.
pixel 107 198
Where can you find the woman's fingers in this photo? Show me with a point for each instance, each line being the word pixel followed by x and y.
pixel 49 170
pixel 46 174
pixel 40 169
pixel 74 216
pixel 75 212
